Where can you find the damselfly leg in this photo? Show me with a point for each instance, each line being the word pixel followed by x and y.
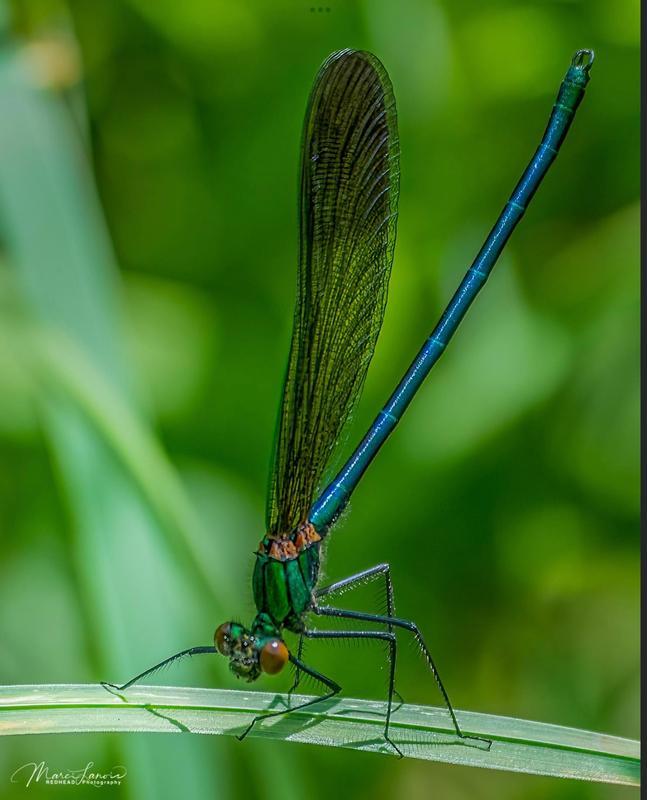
pixel 192 651
pixel 361 579
pixel 390 622
pixel 333 687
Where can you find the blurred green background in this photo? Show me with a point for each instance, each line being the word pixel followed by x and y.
pixel 148 175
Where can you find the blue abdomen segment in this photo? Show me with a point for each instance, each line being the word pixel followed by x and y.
pixel 335 496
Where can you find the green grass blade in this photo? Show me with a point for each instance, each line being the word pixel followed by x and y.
pixel 422 732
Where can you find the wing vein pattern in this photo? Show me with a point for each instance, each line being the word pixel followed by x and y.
pixel 348 209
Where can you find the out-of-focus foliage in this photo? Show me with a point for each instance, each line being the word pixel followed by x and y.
pixel 507 502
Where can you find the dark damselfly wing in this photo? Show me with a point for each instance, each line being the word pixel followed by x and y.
pixel 348 209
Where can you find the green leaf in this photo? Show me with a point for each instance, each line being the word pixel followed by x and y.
pixel 422 732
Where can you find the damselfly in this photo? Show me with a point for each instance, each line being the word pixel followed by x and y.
pixel 348 210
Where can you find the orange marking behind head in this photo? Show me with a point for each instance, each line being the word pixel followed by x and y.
pixel 285 547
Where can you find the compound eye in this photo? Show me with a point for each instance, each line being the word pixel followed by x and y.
pixel 274 656
pixel 222 638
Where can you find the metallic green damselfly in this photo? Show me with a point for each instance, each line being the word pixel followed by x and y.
pixel 348 210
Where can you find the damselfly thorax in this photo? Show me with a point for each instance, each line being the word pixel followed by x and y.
pixel 285 575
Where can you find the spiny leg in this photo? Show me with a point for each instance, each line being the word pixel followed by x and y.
pixel 410 626
pixel 385 636
pixel 297 670
pixel 360 578
pixel 333 687
pixel 192 651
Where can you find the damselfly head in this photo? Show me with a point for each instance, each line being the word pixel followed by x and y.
pixel 249 655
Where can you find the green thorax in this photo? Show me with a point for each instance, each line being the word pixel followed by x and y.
pixel 285 575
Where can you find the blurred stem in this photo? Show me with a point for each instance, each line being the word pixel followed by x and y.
pixel 66 369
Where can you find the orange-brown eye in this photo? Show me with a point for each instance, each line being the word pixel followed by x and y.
pixel 274 656
pixel 222 638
